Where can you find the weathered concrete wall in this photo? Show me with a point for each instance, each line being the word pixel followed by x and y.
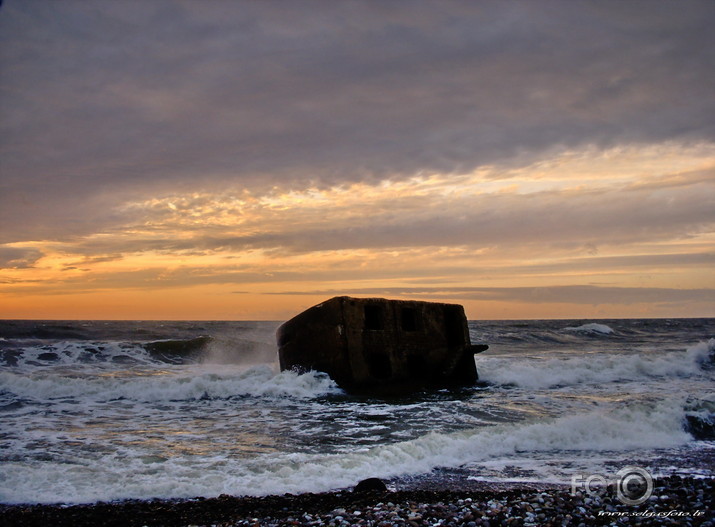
pixel 315 340
pixel 374 341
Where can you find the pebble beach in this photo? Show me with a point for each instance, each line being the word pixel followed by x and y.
pixel 674 501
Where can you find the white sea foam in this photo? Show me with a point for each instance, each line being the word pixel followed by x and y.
pixel 71 353
pixel 168 384
pixel 591 368
pixel 236 351
pixel 634 428
pixel 703 353
pixel 592 328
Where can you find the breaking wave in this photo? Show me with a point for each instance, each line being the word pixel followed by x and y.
pixel 587 369
pixel 168 385
pixel 641 426
pixel 204 349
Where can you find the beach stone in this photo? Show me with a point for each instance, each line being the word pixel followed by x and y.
pixel 370 485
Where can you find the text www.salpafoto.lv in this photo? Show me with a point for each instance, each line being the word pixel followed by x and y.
pixel 652 514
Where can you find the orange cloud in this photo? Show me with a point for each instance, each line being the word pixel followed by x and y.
pixel 622 221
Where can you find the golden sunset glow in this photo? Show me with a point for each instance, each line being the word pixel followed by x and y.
pixel 242 254
pixel 214 222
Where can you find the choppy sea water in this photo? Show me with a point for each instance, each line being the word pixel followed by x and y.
pixel 95 411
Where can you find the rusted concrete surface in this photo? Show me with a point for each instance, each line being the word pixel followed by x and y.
pixel 372 343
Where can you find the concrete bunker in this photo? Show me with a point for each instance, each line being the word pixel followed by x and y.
pixel 374 343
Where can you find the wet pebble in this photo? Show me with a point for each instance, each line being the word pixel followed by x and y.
pixel 556 507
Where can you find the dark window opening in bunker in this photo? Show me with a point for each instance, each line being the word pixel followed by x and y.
pixel 409 319
pixel 453 327
pixel 378 364
pixel 373 317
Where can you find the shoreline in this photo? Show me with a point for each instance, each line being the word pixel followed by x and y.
pixel 675 500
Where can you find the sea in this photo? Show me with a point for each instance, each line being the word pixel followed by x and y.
pixel 112 410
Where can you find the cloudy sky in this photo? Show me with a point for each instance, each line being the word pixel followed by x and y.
pixel 245 160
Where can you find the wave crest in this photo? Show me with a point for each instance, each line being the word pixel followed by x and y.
pixel 552 373
pixel 169 385
pixel 591 329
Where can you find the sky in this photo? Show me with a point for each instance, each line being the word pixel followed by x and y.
pixel 244 160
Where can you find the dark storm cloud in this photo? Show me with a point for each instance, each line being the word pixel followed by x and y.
pixel 102 101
